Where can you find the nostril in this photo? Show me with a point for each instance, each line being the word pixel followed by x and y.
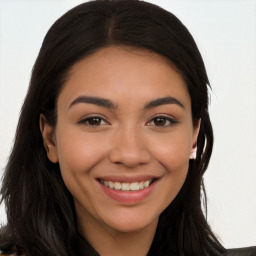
pixel 129 157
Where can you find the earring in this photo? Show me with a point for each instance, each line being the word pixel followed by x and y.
pixel 193 153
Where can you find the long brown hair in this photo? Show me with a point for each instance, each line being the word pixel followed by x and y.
pixel 40 211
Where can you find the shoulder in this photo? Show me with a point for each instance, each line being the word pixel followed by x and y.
pixel 247 251
pixel 17 253
pixel 13 254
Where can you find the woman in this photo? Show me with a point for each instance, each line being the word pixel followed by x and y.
pixel 113 140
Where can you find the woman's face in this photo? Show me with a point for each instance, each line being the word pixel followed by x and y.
pixel 123 137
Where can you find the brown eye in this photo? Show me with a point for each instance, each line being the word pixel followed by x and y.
pixel 162 121
pixel 93 121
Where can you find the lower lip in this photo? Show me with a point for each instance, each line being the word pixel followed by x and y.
pixel 129 197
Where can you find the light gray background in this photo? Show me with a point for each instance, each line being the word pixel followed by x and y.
pixel 225 31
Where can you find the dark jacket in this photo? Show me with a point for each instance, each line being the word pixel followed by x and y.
pixel 248 251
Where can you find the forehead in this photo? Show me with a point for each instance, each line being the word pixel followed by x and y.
pixel 122 72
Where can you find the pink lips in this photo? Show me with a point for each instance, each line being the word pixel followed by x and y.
pixel 128 197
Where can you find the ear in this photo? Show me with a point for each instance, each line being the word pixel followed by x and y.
pixel 194 139
pixel 49 140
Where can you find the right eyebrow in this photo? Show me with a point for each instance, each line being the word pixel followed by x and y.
pixel 163 101
pixel 94 100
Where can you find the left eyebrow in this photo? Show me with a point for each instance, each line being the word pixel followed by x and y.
pixel 94 100
pixel 163 101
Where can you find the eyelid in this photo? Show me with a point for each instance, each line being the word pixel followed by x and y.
pixel 172 120
pixel 86 118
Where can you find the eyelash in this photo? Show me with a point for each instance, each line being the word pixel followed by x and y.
pixel 88 119
pixel 165 118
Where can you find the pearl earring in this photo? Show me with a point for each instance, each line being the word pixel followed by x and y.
pixel 193 153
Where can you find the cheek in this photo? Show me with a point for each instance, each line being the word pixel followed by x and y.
pixel 173 151
pixel 77 151
pixel 174 156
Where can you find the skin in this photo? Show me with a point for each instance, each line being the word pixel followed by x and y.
pixel 125 141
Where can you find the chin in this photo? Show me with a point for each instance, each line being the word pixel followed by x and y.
pixel 127 223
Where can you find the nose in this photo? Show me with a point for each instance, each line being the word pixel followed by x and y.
pixel 129 148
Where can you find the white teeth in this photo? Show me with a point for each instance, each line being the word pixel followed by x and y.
pixel 111 184
pixel 124 186
pixel 118 185
pixel 141 185
pixel 134 186
pixel 146 183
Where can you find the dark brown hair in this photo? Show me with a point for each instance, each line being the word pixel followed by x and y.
pixel 40 210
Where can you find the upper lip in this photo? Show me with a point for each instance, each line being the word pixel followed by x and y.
pixel 128 179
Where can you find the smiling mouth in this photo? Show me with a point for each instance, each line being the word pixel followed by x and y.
pixel 125 186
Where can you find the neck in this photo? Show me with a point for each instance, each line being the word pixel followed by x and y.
pixel 109 242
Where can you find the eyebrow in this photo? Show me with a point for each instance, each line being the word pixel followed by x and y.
pixel 94 100
pixel 110 105
pixel 163 101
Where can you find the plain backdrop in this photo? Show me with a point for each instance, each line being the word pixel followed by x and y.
pixel 225 31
